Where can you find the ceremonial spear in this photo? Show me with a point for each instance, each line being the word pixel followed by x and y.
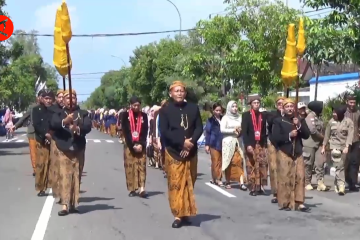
pixel 293 51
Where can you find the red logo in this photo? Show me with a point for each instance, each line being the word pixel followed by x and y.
pixel 6 28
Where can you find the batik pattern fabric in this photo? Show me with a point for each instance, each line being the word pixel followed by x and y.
pixel 257 168
pixel 181 177
pixel 135 169
pixel 272 155
pixel 290 180
pixel 69 176
pixel 53 169
pixel 42 166
pixel 216 161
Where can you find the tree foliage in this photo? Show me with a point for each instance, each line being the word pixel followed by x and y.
pixel 230 55
pixel 345 14
pixel 20 71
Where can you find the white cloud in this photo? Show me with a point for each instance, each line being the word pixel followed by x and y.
pixel 45 17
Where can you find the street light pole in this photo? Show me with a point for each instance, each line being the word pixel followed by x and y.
pixel 178 14
pixel 119 58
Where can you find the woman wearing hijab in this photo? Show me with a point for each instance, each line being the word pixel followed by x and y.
pixel 135 130
pixel 288 133
pixel 213 142
pixel 339 134
pixel 255 142
pixel 232 153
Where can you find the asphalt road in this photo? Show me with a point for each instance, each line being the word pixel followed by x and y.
pixel 107 213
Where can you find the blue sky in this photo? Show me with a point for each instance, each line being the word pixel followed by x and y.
pixel 108 16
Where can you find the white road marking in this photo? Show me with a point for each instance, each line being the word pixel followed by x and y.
pixel 222 191
pixel 97 141
pixel 41 225
pixel 10 140
pixel 23 135
pixel 20 140
pixel 110 141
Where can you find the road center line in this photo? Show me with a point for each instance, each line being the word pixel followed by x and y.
pixel 222 191
pixel 41 225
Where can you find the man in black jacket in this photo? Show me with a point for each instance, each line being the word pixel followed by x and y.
pixel 41 116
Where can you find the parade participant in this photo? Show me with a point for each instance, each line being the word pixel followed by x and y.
pixel 121 135
pixel 101 120
pixel 232 153
pixel 41 116
pixel 312 147
pixel 255 142
pixel 160 141
pixel 54 164
pixel 97 119
pixel 135 128
pixel 339 133
pixel 111 123
pixel 149 146
pixel 157 150
pixel 181 127
pixel 70 125
pixel 352 161
pixel 288 132
pixel 104 123
pixel 213 143
pixel 302 111
pixel 152 152
pixel 30 130
pixel 272 148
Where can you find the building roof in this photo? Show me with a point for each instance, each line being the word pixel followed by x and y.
pixel 336 78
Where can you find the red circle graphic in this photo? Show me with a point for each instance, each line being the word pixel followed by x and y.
pixel 6 28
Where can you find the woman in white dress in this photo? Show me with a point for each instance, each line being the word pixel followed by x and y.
pixel 232 153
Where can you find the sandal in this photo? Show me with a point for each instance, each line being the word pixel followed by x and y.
pixel 243 187
pixel 220 183
pixel 227 186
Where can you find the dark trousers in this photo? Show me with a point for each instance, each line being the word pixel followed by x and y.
pixel 352 164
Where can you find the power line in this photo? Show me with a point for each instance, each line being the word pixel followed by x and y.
pixel 106 34
pixel 89 73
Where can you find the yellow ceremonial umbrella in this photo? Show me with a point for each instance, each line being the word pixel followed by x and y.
pixel 301 42
pixel 289 71
pixel 60 56
pixel 62 37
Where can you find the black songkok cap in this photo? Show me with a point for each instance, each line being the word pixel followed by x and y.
pixel 47 93
pixel 135 99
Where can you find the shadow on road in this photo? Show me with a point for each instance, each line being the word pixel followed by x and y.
pixel 12 153
pixel 93 199
pixel 96 207
pixel 154 193
pixel 5 145
pixel 200 218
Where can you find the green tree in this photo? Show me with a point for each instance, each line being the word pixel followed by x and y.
pixel 24 65
pixel 345 14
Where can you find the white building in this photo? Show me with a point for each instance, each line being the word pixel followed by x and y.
pixel 332 86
